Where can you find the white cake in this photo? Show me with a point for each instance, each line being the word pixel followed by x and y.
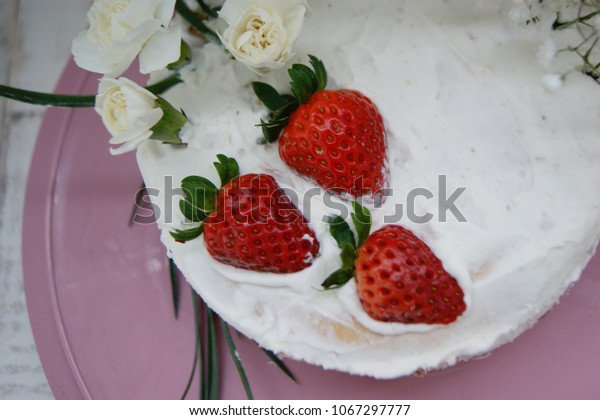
pixel 460 89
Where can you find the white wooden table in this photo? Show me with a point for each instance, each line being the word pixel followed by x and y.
pixel 35 42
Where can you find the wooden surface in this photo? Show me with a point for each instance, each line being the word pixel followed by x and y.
pixel 35 42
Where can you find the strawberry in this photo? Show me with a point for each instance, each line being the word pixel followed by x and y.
pixel 249 223
pixel 334 137
pixel 398 278
pixel 256 226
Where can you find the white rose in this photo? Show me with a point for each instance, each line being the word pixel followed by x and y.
pixel 121 30
pixel 261 33
pixel 128 112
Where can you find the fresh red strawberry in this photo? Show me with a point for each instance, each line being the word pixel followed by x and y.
pixel 337 139
pixel 399 279
pixel 255 226
pixel 248 223
pixel 334 137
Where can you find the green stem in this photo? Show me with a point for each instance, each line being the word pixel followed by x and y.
pixel 279 363
pixel 212 357
pixel 73 101
pixel 207 9
pixel 164 85
pixel 557 26
pixel 196 22
pixel 47 99
pixel 198 354
pixel 236 360
pixel 174 286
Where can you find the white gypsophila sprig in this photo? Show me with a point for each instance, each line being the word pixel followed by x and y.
pixel 571 26
pixel 547 52
pixel 583 18
pixel 122 30
pixel 525 12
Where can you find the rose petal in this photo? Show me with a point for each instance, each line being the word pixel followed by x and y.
pixel 280 21
pixel 114 59
pixel 162 49
pixel 128 147
pixel 165 11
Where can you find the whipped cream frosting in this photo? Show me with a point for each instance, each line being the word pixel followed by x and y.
pixel 461 94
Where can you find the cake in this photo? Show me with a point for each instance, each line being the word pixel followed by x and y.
pixel 495 172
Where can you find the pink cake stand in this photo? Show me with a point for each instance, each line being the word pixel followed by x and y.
pixel 99 299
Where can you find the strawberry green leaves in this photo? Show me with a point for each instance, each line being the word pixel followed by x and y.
pixel 200 193
pixel 362 222
pixel 281 107
pixel 227 168
pixel 200 196
pixel 304 82
pixel 187 235
pixel 320 72
pixel 269 96
pixel 341 232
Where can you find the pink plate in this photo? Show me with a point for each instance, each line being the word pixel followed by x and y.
pixel 99 299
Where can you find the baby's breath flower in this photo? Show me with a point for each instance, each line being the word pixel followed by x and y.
pixel 547 52
pixel 553 82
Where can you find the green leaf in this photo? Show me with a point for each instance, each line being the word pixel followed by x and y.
pixel 278 120
pixel 236 359
pixel 191 213
pixel 212 356
pixel 174 286
pixel 337 279
pixel 270 131
pixel 320 72
pixel 269 96
pixel 280 364
pixel 340 230
pixel 200 192
pixel 304 82
pixel 184 236
pixel 167 129
pixel 362 222
pixel 198 353
pixel 227 168
pixel 347 256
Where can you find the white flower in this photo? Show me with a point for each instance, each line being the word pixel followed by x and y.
pixel 121 30
pixel 547 52
pixel 553 82
pixel 524 12
pixel 262 33
pixel 128 112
